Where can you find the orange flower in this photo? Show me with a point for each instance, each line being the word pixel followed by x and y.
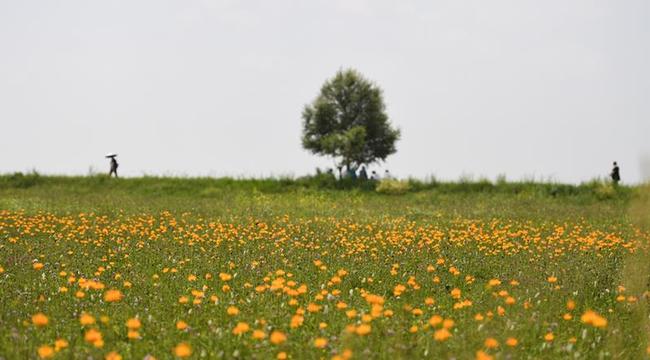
pixel 60 344
pixel 481 355
pixel 86 319
pixel 181 325
pixel 113 355
pixel 241 328
pixel 592 318
pixel 38 266
pixel 259 334
pixel 182 350
pixel 491 343
pixel 278 337
pixel 133 323
pixel 363 329
pixel 320 342
pixel 113 296
pixel 442 334
pixel 549 337
pixel 512 342
pixel 45 352
pixel 232 310
pixel 40 319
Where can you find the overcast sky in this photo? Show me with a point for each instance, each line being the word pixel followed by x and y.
pixel 544 89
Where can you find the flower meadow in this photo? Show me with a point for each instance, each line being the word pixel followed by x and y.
pixel 165 284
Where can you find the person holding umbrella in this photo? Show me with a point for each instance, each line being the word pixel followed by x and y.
pixel 114 164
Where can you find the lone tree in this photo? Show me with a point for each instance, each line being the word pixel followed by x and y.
pixel 348 122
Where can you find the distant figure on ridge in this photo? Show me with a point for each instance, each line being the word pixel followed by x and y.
pixel 374 176
pixel 387 175
pixel 114 164
pixel 616 175
pixel 363 175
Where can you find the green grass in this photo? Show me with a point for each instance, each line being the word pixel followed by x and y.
pixel 591 237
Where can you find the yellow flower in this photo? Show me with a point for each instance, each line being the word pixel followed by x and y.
pixel 320 342
pixel 113 296
pixel 40 319
pixel 549 337
pixel 552 279
pixel 182 350
pixel 278 337
pixel 45 352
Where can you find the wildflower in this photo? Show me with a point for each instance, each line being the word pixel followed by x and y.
pixel 481 355
pixel 435 320
pixel 182 350
pixel 491 343
pixel 113 296
pixel 441 335
pixel 281 355
pixel 181 325
pixel 592 318
pixel 277 337
pixel 552 279
pixel 225 277
pixel 232 310
pixel 92 336
pixel 38 266
pixel 512 342
pixel 133 323
pixel 241 328
pixel 363 329
pixel 320 342
pixel 60 344
pixel 258 334
pixel 45 352
pixel 494 282
pixel 86 319
pixel 40 320
pixel 113 355
pixel 133 335
pixel 549 337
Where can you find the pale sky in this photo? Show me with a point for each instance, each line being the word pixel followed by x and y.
pixel 546 89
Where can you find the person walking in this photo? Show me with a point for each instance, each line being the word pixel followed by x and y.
pixel 114 164
pixel 616 174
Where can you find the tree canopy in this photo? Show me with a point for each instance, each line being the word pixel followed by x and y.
pixel 348 122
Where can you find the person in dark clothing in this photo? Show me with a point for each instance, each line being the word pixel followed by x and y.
pixel 616 174
pixel 363 175
pixel 114 165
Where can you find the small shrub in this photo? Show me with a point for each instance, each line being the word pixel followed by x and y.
pixel 393 187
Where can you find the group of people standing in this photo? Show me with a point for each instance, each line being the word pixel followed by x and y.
pixel 363 174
